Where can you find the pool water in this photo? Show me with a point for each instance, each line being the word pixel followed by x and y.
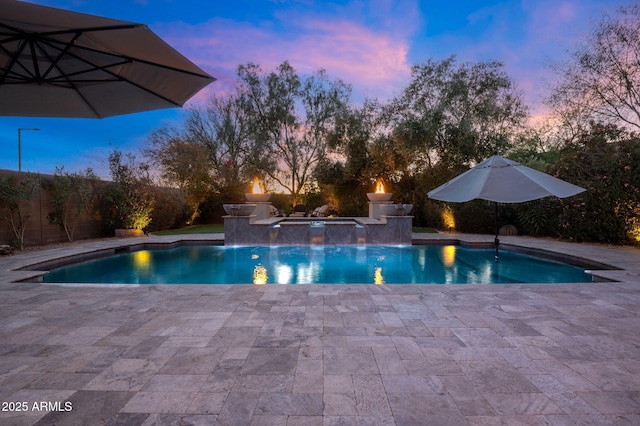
pixel 313 265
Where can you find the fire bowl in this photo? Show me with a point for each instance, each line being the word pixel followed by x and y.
pixel 239 209
pixel 257 198
pixel 375 196
pixel 395 209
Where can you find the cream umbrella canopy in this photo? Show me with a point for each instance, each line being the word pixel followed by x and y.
pixel 501 180
pixel 57 63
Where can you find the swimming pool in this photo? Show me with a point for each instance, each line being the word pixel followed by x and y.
pixel 318 265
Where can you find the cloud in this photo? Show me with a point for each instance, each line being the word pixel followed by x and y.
pixel 375 62
pixel 527 36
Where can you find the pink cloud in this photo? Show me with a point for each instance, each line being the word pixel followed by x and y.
pixel 374 63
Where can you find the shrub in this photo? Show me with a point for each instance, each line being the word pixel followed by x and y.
pixel 15 197
pixel 170 209
pixel 606 161
pixel 129 197
pixel 72 194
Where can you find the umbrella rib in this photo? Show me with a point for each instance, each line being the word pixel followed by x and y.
pixel 55 44
pixel 20 34
pixel 105 68
pixel 34 61
pixel 71 83
pixel 125 58
pixel 103 64
pixel 54 62
pixel 97 29
pixel 143 61
pixel 65 75
pixel 13 60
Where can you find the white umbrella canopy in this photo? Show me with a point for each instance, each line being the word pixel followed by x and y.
pixel 503 181
pixel 57 63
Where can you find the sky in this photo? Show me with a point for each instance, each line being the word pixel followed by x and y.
pixel 368 44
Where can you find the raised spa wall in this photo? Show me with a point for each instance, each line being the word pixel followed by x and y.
pixel 247 230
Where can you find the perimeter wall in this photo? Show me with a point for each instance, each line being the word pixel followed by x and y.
pixel 39 231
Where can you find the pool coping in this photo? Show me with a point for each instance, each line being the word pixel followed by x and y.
pixel 604 262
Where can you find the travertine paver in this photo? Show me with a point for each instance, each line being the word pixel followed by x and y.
pixel 322 355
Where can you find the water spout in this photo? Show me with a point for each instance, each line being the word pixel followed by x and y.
pixel 361 235
pixel 317 233
pixel 274 230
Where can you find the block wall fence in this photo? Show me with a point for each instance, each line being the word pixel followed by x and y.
pixel 39 231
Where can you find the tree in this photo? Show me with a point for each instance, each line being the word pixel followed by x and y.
pixel 291 117
pixel 184 162
pixel 72 194
pixel 352 140
pixel 602 80
pixel 225 129
pixel 456 113
pixel 359 153
pixel 130 197
pixel 15 202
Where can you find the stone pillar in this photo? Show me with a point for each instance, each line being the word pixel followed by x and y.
pixel 374 209
pixel 262 210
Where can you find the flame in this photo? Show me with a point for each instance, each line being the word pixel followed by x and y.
pixel 380 186
pixel 257 189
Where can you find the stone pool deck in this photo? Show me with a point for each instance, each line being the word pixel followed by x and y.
pixel 562 354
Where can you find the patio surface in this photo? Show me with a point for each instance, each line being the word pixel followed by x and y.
pixel 566 354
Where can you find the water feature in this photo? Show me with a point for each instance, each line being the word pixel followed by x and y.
pixel 274 230
pixel 386 224
pixel 317 233
pixel 361 235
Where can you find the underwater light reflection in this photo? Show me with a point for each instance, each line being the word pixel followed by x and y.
pixel 449 255
pixel 284 273
pixel 142 260
pixel 378 278
pixel 260 275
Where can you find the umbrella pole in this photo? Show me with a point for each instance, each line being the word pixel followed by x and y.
pixel 496 241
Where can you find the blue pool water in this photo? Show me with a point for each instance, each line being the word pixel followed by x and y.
pixel 311 265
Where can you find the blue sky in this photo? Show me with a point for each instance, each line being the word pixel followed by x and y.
pixel 368 44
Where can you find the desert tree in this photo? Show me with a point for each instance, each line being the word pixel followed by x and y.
pixel 601 80
pixel 291 117
pixel 456 113
pixel 183 162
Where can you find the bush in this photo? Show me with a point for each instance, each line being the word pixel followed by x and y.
pixel 538 217
pixel 170 209
pixel 72 196
pixel 606 161
pixel 476 216
pixel 15 203
pixel 130 197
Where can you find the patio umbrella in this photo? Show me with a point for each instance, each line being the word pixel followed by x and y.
pixel 57 63
pixel 501 180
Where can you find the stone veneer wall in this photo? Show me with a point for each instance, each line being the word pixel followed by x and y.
pixel 246 230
